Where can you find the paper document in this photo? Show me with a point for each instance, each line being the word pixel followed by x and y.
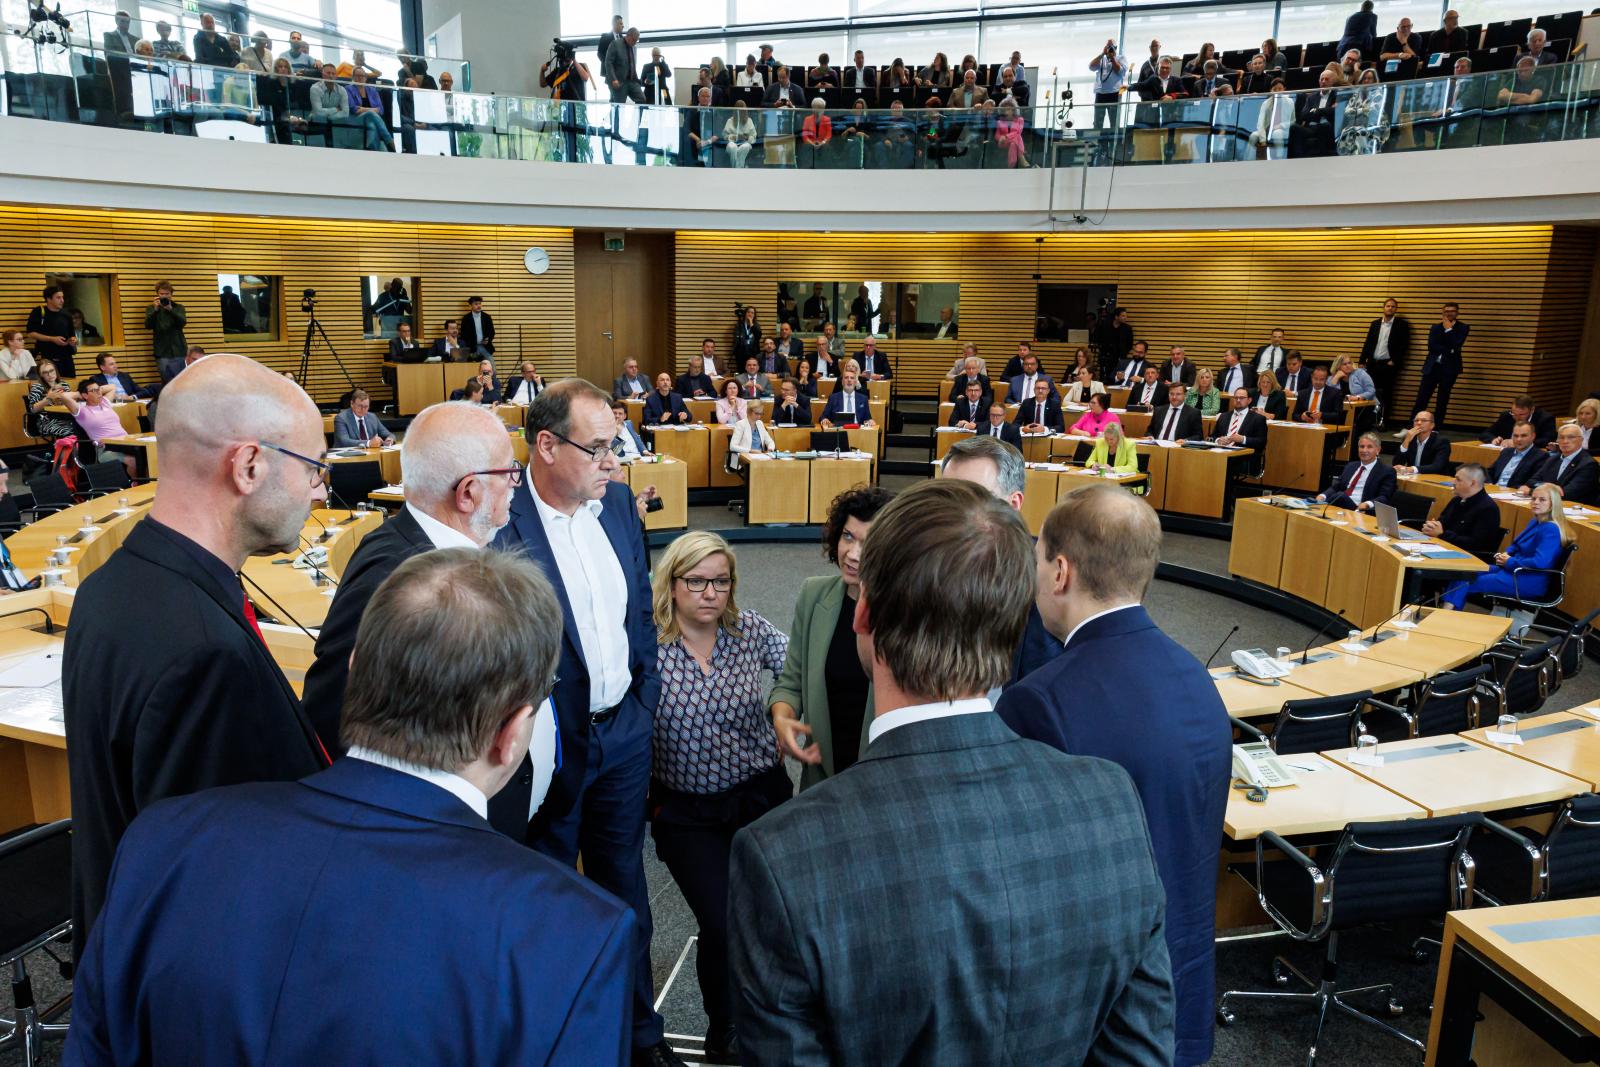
pixel 33 672
pixel 396 490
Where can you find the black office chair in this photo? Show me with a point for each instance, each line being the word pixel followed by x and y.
pixel 50 493
pixel 108 477
pixel 1513 33
pixel 350 482
pixel 1559 865
pixel 1377 873
pixel 1570 651
pixel 1526 677
pixel 36 888
pixel 1447 703
pixel 1319 724
pixel 1412 508
pixel 1555 586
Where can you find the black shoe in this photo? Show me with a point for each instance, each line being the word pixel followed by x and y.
pixel 722 1045
pixel 657 1055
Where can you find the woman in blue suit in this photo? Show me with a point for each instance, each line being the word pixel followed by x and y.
pixel 1538 545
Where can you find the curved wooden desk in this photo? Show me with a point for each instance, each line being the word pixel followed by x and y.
pixel 31 546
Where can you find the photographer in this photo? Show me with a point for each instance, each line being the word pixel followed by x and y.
pixel 165 320
pixel 1110 75
pixel 563 75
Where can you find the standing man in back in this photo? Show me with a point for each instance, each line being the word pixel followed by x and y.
pixel 1443 365
pixel 956 932
pixel 1164 723
pixel 168 684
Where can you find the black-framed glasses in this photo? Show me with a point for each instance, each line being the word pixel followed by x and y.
pixel 514 474
pixel 597 454
pixel 320 470
pixel 698 584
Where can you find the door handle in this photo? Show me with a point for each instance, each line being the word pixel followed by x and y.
pixel 606 334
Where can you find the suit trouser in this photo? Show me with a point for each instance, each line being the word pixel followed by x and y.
pixel 694 838
pixel 606 825
pixel 1433 376
pixel 1497 581
pixel 1383 375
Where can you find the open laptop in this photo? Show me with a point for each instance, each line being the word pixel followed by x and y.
pixel 1389 524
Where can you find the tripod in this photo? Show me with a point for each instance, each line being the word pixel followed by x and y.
pixel 313 326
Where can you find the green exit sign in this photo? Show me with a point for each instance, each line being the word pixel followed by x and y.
pixel 613 241
pixel 191 6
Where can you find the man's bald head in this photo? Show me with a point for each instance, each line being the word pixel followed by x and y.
pixel 224 399
pixel 446 443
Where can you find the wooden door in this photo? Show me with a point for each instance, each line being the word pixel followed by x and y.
pixel 621 305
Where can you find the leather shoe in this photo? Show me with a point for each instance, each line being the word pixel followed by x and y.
pixel 722 1045
pixel 657 1055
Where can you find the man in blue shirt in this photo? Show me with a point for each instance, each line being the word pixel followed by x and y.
pixel 1110 75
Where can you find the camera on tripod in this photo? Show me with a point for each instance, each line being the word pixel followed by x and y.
pixel 308 300
pixel 562 52
pixel 738 311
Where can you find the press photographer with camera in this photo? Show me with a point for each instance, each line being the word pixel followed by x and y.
pixel 165 320
pixel 563 75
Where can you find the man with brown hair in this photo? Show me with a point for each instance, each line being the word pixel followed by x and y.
pixel 847 962
pixel 1164 722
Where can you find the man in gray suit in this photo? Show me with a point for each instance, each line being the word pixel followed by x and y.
pixel 621 68
pixel 357 427
pixel 973 920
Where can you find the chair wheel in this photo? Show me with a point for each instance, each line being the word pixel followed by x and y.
pixel 1396 1008
pixel 1224 1017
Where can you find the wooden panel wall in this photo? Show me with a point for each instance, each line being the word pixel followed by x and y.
pixel 1521 288
pixel 332 257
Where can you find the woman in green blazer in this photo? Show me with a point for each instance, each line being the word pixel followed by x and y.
pixel 1205 395
pixel 1115 453
pixel 822 702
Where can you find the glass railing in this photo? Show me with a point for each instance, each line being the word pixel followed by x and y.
pixel 91 86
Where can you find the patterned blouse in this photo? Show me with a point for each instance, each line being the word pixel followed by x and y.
pixel 713 731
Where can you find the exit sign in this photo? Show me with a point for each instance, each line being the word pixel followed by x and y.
pixel 613 241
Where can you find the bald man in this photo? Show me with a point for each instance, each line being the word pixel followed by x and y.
pixel 168 685
pixel 457 469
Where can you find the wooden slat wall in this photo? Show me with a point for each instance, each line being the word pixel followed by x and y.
pixel 330 256
pixel 1521 288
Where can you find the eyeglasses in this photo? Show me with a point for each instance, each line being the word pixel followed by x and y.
pixel 597 455
pixel 319 469
pixel 698 585
pixel 514 474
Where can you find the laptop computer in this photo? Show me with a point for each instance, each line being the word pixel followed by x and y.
pixel 1389 524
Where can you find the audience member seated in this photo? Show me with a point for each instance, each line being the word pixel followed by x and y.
pixel 1041 414
pixel 1176 420
pixel 1205 397
pixel 1537 546
pixel 529 383
pixel 1241 426
pixel 628 444
pixel 695 383
pixel 1296 375
pixel 16 362
pixel 357 427
pixel 1022 383
pixel 330 104
pixel 848 405
pixel 1588 417
pixel 1365 481
pixel 1421 450
pixel 1535 49
pixel 749 435
pixel 1162 84
pixel 1267 398
pixel 489 380
pixel 99 421
pixel 448 347
pixel 1014 364
pixel 1149 393
pixel 792 409
pixel 629 385
pixel 49 391
pixel 471 392
pixel 1113 453
pixel 730 405
pixel 1233 374
pixel 1470 521
pixel 1312 134
pixel 972 408
pixel 1401 44
pixel 969 374
pixel 1322 403
pixel 1131 371
pixel 783 89
pixel 805 383
pixel 1254 79
pixel 1523 409
pixel 403 348
pixel 1351 380
pixel 1093 422
pixel 1450 37
pixel 367 107
pixel 1572 468
pixel 665 405
pixel 753 382
pixel 1083 387
pixel 873 365
pixel 997 426
pixel 1520 462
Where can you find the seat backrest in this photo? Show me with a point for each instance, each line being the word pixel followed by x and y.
pixel 350 482
pixel 1450 703
pixel 1569 654
pixel 108 475
pixel 1572 851
pixel 1512 32
pixel 1526 678
pixel 49 490
pixel 1411 507
pixel 1315 55
pixel 35 885
pixel 10 514
pixel 1320 724
pixel 1381 872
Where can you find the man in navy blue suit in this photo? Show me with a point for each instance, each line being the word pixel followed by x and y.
pixel 1164 722
pixel 582 529
pixel 848 405
pixel 387 922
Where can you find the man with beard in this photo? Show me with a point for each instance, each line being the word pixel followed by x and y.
pixel 458 470
pixel 167 684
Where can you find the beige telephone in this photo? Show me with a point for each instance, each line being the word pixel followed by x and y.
pixel 1256 764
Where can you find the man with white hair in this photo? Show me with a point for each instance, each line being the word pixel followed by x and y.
pixel 458 470
pixel 1536 48
pixel 167 683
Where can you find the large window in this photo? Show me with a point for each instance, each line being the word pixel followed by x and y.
pixel 676 14
pixel 249 305
pixel 89 302
pixel 1181 32
pixel 917 44
pixel 387 301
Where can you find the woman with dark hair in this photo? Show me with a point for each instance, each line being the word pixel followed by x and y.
pixel 1197 66
pixel 746 336
pixel 936 75
pixel 1270 52
pixel 822 702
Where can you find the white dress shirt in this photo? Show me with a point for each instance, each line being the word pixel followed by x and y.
pixel 1271 359
pixel 454 784
pixel 477 325
pixel 1381 349
pixel 1169 425
pixel 1232 378
pixel 598 593
pixel 891 720
pixel 1360 482
pixel 441 535
pixel 1147 392
pixel 1235 420
pixel 848 404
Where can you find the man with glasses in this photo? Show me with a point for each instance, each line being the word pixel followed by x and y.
pixel 457 469
pixel 582 529
pixel 167 682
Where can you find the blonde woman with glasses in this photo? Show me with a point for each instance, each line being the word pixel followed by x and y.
pixel 716 766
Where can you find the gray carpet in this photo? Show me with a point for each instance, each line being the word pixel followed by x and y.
pixel 769 579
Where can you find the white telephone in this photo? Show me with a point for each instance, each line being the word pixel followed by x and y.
pixel 1256 764
pixel 1256 663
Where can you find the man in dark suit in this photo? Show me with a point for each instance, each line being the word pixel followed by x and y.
pixel 1314 113
pixel 859 75
pixel 1022 383
pixel 1014 364
pixel 970 376
pixel 783 88
pixel 529 383
pixel 1242 426
pixel 848 405
pixel 1523 409
pixel 1234 374
pixel 1385 348
pixel 1177 368
pixel 1365 480
pixel 1443 365
pixel 1520 462
pixel 1421 450
pixel 457 469
pixel 583 531
pixel 874 365
pixel 1114 341
pixel 1041 413
pixel 448 347
pixel 971 409
pixel 1177 749
pixel 1130 370
pixel 1322 403
pixel 792 409
pixel 315 863
pixel 664 405
pixel 997 426
pixel 1296 376
pixel 778 358
pixel 477 329
pixel 1148 394
pixel 1470 521
pixel 404 348
pixel 1175 420
pixel 1572 468
pixel 167 684
pixel 822 952
pixel 1162 84
pixel 110 375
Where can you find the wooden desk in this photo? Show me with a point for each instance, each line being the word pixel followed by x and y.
pixel 34 786
pixel 515 416
pixel 717 472
pixel 1252 700
pixel 128 413
pixel 1197 480
pixel 1449 775
pixel 287 594
pixel 388 460
pixel 1322 801
pixel 31 546
pixel 1565 741
pixel 1484 630
pixel 670 476
pixel 1539 961
pixel 419 385
pixel 780 492
pixel 703 411
pixel 944 437
pixel 1294 455
pixel 1345 672
pixel 12 396
pixel 1473 452
pixel 635 413
pixel 830 477
pixel 692 445
pixel 1429 653
pixel 142 447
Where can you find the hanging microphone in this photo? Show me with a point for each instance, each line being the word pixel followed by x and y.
pixel 1220 644
pixel 282 614
pixel 1307 650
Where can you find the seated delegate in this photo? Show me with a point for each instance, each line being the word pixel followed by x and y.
pixel 1093 422
pixel 1365 481
pixel 665 405
pixel 1538 545
pixel 1115 454
pixel 792 409
pixel 357 427
pixel 1470 521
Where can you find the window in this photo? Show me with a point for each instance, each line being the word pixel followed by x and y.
pixel 674 15
pixel 249 304
pixel 1066 312
pixel 386 302
pixel 917 44
pixel 89 303
pixel 783 11
pixel 922 306
pixel 798 53
pixel 1181 32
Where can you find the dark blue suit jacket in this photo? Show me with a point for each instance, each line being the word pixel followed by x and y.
pixel 620 520
pixel 834 408
pixel 655 406
pixel 1166 725
pixel 1381 489
pixel 327 921
pixel 1037 647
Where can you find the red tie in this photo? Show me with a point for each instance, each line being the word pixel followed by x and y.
pixel 1355 482
pixel 250 617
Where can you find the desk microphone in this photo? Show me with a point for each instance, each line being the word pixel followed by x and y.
pixel 282 614
pixel 1430 602
pixel 1220 644
pixel 305 554
pixel 1307 650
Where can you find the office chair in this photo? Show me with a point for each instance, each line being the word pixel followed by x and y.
pixel 50 493
pixel 1411 508
pixel 1570 651
pixel 1558 865
pixel 1319 724
pixel 1447 703
pixel 36 886
pixel 1526 676
pixel 1377 873
pixel 108 477
pixel 1554 592
pixel 349 483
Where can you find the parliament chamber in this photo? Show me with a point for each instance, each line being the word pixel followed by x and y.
pixel 1339 342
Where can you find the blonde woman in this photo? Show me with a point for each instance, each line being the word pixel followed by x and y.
pixel 1588 418
pixel 715 765
pixel 739 134
pixel 1268 398
pixel 1205 395
pixel 1115 454
pixel 1535 549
